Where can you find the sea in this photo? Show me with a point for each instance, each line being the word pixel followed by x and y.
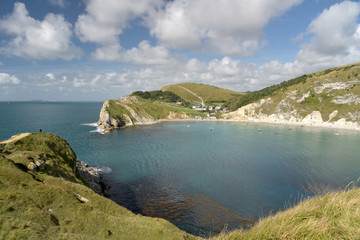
pixel 204 177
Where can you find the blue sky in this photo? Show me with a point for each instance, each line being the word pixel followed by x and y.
pixel 93 50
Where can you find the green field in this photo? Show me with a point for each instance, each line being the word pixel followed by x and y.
pixel 209 94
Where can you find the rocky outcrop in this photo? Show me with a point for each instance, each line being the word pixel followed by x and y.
pixel 93 179
pixel 129 111
pixel 106 121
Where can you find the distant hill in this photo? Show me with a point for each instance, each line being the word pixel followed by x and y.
pixel 328 98
pixel 201 93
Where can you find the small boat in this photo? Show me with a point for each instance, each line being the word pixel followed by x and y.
pixel 337 134
pixel 211 129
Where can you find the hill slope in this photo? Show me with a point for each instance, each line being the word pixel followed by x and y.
pixel 51 201
pixel 325 98
pixel 201 93
pixel 332 216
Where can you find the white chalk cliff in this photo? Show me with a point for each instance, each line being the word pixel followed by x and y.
pixel 331 101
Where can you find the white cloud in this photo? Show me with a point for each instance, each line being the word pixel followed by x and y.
pixel 50 79
pixel 47 39
pixel 144 54
pixel 336 38
pixel 109 52
pixel 60 3
pixel 230 27
pixel 6 79
pixel 105 21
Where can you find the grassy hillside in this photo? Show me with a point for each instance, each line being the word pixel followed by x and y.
pixel 209 94
pixel 332 94
pixel 149 109
pixel 53 202
pixel 304 84
pixel 333 216
pixel 239 101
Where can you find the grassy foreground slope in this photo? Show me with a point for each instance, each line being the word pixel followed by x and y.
pixel 333 216
pixel 209 94
pixel 52 202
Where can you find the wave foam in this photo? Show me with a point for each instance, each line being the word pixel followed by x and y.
pixel 99 130
pixel 103 170
pixel 90 124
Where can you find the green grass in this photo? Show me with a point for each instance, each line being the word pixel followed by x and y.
pixel 188 111
pixel 40 205
pixel 209 94
pixel 117 111
pixel 332 216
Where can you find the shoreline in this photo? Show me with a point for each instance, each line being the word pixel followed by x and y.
pixel 298 124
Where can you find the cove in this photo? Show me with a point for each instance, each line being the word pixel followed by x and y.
pixel 209 176
pixel 202 181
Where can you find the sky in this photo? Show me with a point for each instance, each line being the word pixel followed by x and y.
pixel 93 50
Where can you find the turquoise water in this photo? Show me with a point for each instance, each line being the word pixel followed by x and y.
pixel 202 176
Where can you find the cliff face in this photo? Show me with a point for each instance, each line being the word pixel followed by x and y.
pixel 130 111
pixel 328 98
pixel 106 121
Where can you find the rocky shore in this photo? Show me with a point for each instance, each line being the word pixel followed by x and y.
pixel 251 113
pixel 92 178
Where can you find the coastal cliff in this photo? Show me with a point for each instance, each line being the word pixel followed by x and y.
pixel 46 193
pixel 329 98
pixel 132 110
